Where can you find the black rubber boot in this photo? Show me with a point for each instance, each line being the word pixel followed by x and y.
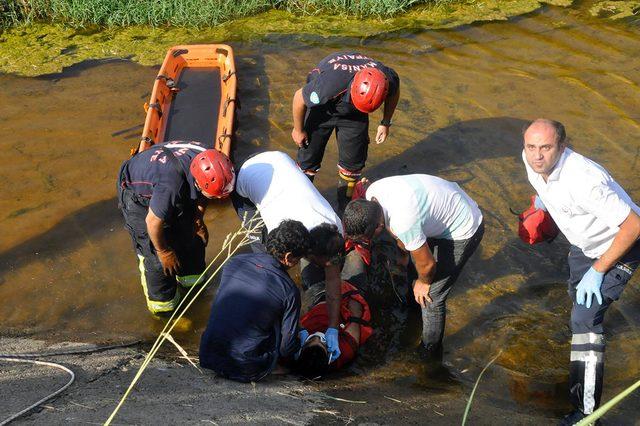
pixel 343 198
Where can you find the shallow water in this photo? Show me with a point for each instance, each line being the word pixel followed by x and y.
pixel 67 270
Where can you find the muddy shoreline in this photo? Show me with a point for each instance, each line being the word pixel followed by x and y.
pixel 177 393
pixel 67 272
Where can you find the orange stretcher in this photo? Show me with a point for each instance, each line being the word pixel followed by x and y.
pixel 193 98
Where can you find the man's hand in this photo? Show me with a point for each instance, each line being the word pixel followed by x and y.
pixel 381 135
pixel 201 230
pixel 299 137
pixel 588 286
pixel 333 347
pixel 421 292
pixel 169 260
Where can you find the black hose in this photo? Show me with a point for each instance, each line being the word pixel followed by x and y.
pixel 72 351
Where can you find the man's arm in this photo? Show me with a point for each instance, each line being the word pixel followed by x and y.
pixel 390 105
pixel 426 267
pixel 389 108
pixel 168 258
pixel 198 223
pixel 333 296
pixel 625 239
pixel 290 343
pixel 333 293
pixel 298 134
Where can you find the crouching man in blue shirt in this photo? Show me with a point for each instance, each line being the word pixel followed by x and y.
pixel 254 317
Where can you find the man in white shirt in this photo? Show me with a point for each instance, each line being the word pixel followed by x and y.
pixel 273 184
pixel 602 224
pixel 439 224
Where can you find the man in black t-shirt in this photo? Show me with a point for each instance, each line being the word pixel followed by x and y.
pixel 162 194
pixel 340 93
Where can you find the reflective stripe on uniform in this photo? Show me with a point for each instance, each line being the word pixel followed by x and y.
pixel 349 175
pixel 585 356
pixel 587 338
pixel 186 145
pixel 188 280
pixel 590 383
pixel 588 349
pixel 154 306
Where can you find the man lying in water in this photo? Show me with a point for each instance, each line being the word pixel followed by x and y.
pixel 254 317
pixel 355 329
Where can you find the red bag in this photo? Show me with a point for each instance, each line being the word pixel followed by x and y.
pixel 536 225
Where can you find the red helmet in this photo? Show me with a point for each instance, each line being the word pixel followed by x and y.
pixel 369 89
pixel 213 173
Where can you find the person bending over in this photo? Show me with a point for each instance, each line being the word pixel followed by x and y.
pixel 271 184
pixel 435 222
pixel 162 194
pixel 254 316
pixel 340 93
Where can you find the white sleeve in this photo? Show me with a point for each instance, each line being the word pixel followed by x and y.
pixel 408 228
pixel 599 197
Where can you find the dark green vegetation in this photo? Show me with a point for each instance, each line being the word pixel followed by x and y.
pixel 185 13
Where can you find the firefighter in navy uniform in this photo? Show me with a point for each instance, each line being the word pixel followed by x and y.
pixel 340 93
pixel 162 194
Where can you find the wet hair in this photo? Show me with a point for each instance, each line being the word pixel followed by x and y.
pixel 289 237
pixel 327 242
pixel 314 359
pixel 558 127
pixel 361 218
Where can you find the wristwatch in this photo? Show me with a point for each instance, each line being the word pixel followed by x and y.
pixel 384 122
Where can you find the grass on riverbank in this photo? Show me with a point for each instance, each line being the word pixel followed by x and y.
pixel 184 13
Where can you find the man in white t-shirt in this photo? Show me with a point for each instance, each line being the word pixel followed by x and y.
pixel 273 184
pixel 602 224
pixel 435 221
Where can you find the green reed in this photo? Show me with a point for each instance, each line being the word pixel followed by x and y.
pixel 184 13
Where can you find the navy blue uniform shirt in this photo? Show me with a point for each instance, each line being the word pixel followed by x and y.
pixel 254 318
pixel 329 83
pixel 152 175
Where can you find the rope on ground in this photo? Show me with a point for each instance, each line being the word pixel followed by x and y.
pixel 229 247
pixel 46 398
pixel 79 351
pixel 591 418
pixel 468 408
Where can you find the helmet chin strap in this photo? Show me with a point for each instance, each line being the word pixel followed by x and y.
pixel 319 334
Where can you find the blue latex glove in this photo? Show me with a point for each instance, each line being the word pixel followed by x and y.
pixel 538 204
pixel 588 286
pixel 302 337
pixel 332 343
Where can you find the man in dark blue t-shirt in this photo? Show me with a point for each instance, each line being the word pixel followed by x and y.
pixel 163 193
pixel 340 93
pixel 254 316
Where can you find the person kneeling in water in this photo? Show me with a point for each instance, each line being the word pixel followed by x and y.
pixel 355 330
pixel 254 317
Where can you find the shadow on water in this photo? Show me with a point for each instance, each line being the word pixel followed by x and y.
pixel 76 70
pixel 90 222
